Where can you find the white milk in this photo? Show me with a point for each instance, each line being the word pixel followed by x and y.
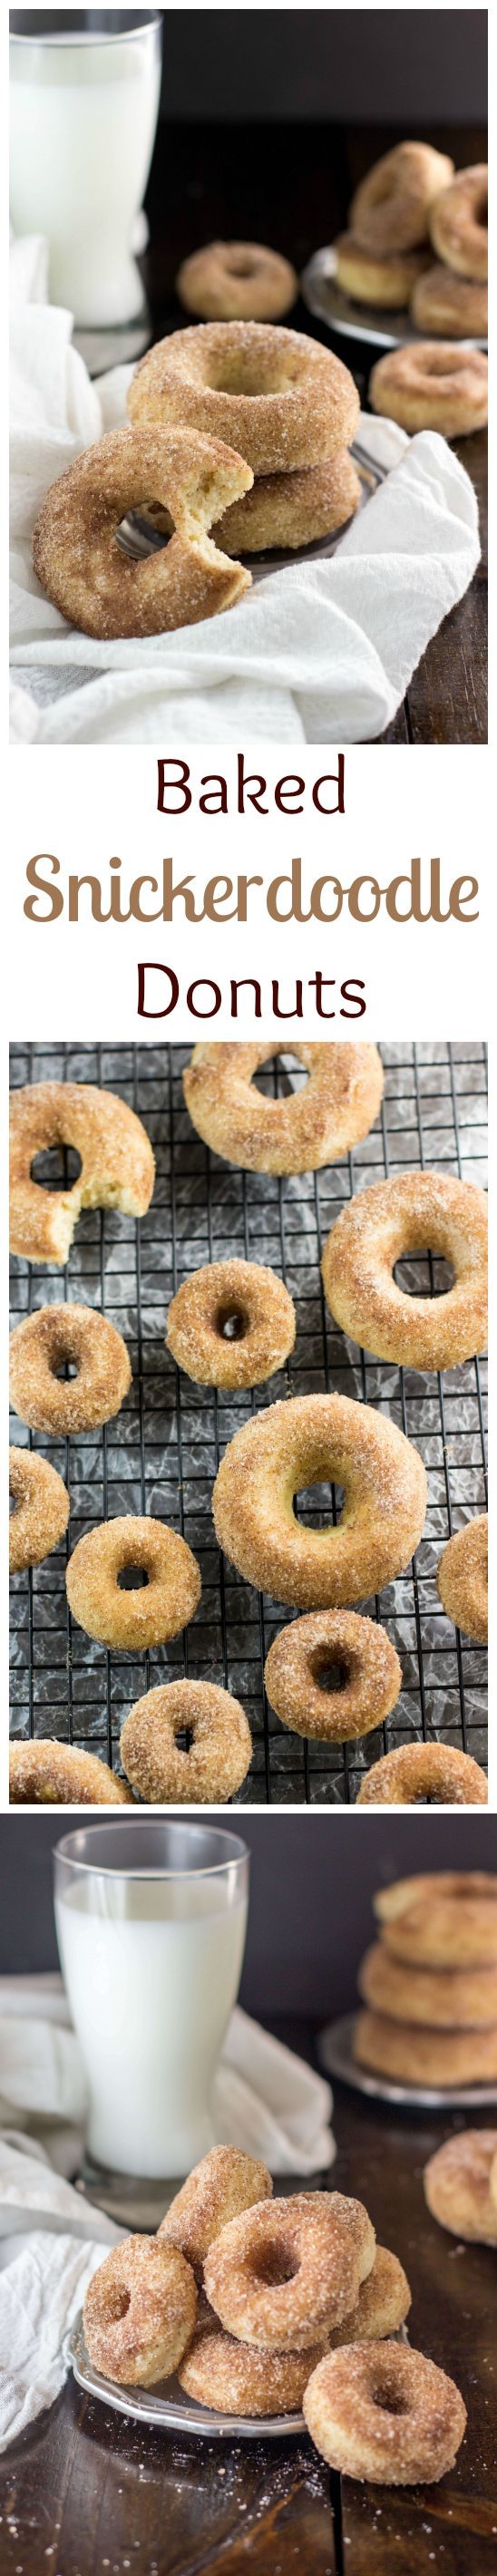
pixel 83 121
pixel 151 1999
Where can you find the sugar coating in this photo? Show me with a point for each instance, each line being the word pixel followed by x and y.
pixel 117 1163
pixel 148 1613
pixel 454 306
pixel 415 1772
pixel 383 2303
pixel 225 2183
pixel 460 2183
pixel 459 222
pixel 370 1669
pixel 265 1316
pixel 413 1212
pixel 50 1774
pixel 443 1998
pixel 462 1578
pixel 237 281
pixel 219 1755
pixel 107 592
pixel 292 510
pixel 55 1335
pixel 292 1446
pixel 288 2270
pixel 385 2413
pixel 374 280
pixel 431 385
pixel 41 1508
pixel 413 2055
pixel 235 2378
pixel 447 1921
pixel 139 2311
pixel 279 398
pixel 390 209
pixel 334 1109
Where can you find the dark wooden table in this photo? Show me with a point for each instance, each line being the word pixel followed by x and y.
pixel 87 2491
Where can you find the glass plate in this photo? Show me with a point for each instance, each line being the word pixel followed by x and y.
pixel 335 2051
pixel 359 321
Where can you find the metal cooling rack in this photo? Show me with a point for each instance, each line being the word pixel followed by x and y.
pixel 161 1453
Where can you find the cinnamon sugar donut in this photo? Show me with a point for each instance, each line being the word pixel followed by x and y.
pixel 415 1774
pixel 139 2312
pixel 462 1578
pixel 455 306
pixel 390 209
pixel 408 2054
pixel 146 1614
pixel 333 1110
pixel 224 2184
pixel 90 578
pixel 117 1163
pixel 429 387
pixel 44 1773
pixel 287 2270
pixel 467 1887
pixel 41 1509
pixel 237 2380
pixel 458 2185
pixel 369 1676
pixel 59 1336
pixel 309 1440
pixel 445 1998
pixel 292 510
pixel 386 2414
pixel 219 1754
pixel 447 1921
pixel 369 279
pixel 413 1212
pixel 458 222
pixel 235 1294
pixel 237 282
pixel 277 396
pixel 383 2303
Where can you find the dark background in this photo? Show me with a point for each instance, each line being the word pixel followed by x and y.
pixel 386 66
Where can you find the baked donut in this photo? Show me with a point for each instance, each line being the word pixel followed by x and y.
pixel 276 396
pixel 369 1676
pixel 383 2303
pixel 432 387
pixel 334 1109
pixel 237 2380
pixel 90 578
pixel 46 1774
pixel 231 1324
pixel 237 282
pixel 454 306
pixel 139 2312
pixel 458 222
pixel 117 1163
pixel 472 1887
pixel 287 2270
pixel 457 2185
pixel 310 1440
pixel 369 279
pixel 414 1212
pixel 424 1774
pixel 219 1753
pixel 384 2413
pixel 445 1998
pixel 449 1921
pixel 462 1578
pixel 145 1614
pixel 60 1336
pixel 224 2184
pixel 408 2054
pixel 292 510
pixel 41 1509
pixel 390 209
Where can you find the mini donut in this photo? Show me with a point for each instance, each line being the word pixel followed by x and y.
pixel 432 387
pixel 458 222
pixel 41 1509
pixel 90 578
pixel 334 1109
pixel 231 1293
pixel 448 1998
pixel 313 1439
pixel 416 1774
pixel 287 2270
pixel 408 2054
pixel 370 1676
pixel 390 209
pixel 117 1163
pixel 468 1886
pixel 462 1578
pixel 383 2303
pixel 237 2380
pixel 139 2312
pixel 147 1613
pixel 237 282
pixel 386 2414
pixel 372 280
pixel 57 1336
pixel 457 2186
pixel 439 1923
pixel 220 1751
pixel 224 2184
pixel 455 306
pixel 46 1774
pixel 276 396
pixel 414 1212
pixel 292 510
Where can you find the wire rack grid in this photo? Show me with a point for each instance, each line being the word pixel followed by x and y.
pixel 161 1454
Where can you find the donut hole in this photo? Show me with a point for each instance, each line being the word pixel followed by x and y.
pixel 287 1066
pixel 64 1368
pixel 240 373
pixel 55 1164
pixel 390 2400
pixel 312 1505
pixel 332 1676
pixel 424 1274
pixel 232 1323
pixel 119 2300
pixel 273 2265
pixel 132 1578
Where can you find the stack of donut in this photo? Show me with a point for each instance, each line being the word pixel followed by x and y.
pixel 285 404
pixel 429 1983
pixel 413 204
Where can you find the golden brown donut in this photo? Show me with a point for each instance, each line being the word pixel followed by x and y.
pixel 370 1676
pixel 147 1613
pixel 219 2188
pixel 235 1293
pixel 369 279
pixel 237 282
pixel 444 1998
pixel 41 1509
pixel 220 1750
pixel 426 386
pixel 383 2303
pixel 236 2379
pixel 390 209
pixel 287 2270
pixel 139 2312
pixel 437 1925
pixel 407 2054
pixel 90 578
pixel 462 1578
pixel 333 1110
pixel 467 1886
pixel 314 1439
pixel 458 222
pixel 386 2414
pixel 117 1163
pixel 62 1335
pixel 454 306
pixel 44 1774
pixel 292 510
pixel 277 396
pixel 411 1213
pixel 416 1774
pixel 457 2184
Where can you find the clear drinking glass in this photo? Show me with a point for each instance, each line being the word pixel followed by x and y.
pixel 84 100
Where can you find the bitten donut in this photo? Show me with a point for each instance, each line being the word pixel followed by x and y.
pixel 444 1921
pixel 224 2184
pixel 139 2312
pixel 369 1676
pixel 333 1110
pixel 288 2269
pixel 231 1324
pixel 420 1774
pixel 386 2414
pixel 456 307
pixel 314 1439
pixel 458 222
pixel 457 2185
pixel 445 1998
pixel 107 592
pixel 237 282
pixel 407 2054
pixel 276 396
pixel 117 1163
pixel 220 1750
pixel 292 510
pixel 41 1509
pixel 237 2380
pixel 383 2303
pixel 412 1213
pixel 432 387
pixel 67 1336
pixel 46 1774
pixel 462 1579
pixel 390 209
pixel 372 280
pixel 147 1613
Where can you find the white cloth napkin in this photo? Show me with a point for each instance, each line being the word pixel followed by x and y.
pixel 51 2238
pixel 320 652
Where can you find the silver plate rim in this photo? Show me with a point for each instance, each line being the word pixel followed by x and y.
pixel 354 320
pixel 177 2414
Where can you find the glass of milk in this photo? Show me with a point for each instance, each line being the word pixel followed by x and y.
pixel 151 1920
pixel 84 100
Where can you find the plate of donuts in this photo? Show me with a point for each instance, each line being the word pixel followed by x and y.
pixel 346 315
pixel 166 2403
pixel 336 2049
